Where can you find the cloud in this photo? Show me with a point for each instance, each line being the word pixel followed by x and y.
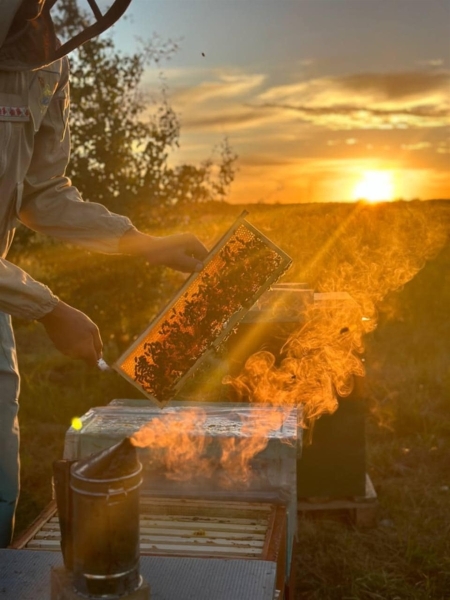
pixel 416 146
pixel 391 86
pixel 433 62
pixel 230 119
pixel 367 101
pixel 224 86
pixel 358 117
pixel 373 86
pixel 230 101
pixel 444 148
pixel 316 135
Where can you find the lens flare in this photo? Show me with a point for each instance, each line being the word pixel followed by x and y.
pixel 375 252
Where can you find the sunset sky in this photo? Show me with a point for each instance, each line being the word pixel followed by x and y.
pixel 323 100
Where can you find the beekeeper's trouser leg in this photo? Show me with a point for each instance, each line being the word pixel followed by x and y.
pixel 9 430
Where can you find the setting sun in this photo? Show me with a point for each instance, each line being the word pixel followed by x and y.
pixel 374 186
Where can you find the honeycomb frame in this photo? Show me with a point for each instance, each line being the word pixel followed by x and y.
pixel 242 265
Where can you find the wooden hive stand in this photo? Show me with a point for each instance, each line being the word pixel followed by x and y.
pixel 360 511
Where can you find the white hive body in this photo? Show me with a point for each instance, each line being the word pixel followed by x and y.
pixel 273 469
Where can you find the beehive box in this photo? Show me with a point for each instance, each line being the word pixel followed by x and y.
pixel 189 528
pixel 274 469
pixel 212 425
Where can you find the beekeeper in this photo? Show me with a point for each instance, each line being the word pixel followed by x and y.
pixel 34 151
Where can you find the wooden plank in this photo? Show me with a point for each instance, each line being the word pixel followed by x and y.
pixel 161 523
pixel 29 533
pixel 180 518
pixel 182 522
pixel 215 508
pixel 188 525
pixel 366 517
pixel 248 517
pixel 168 533
pixel 50 527
pixel 160 547
pixel 211 527
pixel 168 548
pixel 209 551
pixel 159 533
pixel 231 535
pixel 275 543
pixel 201 541
pixel 340 503
pixel 48 535
pixel 361 510
pixel 36 544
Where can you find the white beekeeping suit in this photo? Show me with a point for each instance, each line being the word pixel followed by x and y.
pixel 34 152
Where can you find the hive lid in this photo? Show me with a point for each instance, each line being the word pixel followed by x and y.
pixel 216 419
pixel 240 267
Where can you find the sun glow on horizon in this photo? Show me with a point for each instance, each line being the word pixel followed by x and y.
pixel 374 186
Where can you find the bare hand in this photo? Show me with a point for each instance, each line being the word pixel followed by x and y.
pixel 182 251
pixel 73 333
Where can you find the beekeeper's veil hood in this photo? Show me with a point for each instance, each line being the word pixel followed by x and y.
pixel 27 36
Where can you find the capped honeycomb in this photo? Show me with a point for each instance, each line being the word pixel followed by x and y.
pixel 242 265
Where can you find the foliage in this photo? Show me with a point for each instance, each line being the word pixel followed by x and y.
pixel 117 155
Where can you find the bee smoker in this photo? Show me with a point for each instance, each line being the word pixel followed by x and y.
pixel 98 508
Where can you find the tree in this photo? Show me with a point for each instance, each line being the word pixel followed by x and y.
pixel 117 156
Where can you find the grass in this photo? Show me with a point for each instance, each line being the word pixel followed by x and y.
pixel 395 259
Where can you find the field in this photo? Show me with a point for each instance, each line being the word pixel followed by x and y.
pixel 394 259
